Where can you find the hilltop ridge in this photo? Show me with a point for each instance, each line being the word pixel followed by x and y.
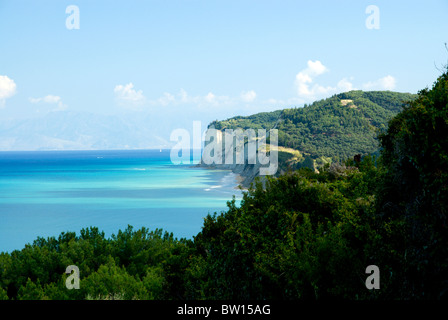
pixel 329 130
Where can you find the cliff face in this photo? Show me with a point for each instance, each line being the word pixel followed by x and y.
pixel 241 158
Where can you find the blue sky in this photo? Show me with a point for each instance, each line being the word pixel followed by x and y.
pixel 205 60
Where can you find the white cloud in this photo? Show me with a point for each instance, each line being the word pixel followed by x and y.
pixel 248 96
pixel 8 88
pixel 127 96
pixel 210 98
pixel 166 99
pixel 50 99
pixel 182 98
pixel 185 98
pixel 47 99
pixel 315 68
pixel 213 100
pixel 385 83
pixel 305 77
pixel 310 91
pixel 183 95
pixel 344 85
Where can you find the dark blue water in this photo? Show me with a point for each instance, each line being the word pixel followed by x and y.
pixel 46 193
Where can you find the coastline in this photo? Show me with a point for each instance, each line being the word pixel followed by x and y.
pixel 239 179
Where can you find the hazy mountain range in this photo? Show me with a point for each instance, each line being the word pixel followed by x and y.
pixel 68 130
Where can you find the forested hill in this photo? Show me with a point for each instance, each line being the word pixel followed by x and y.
pixel 337 127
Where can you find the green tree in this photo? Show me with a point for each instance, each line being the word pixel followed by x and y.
pixel 112 282
pixel 415 192
pixel 31 291
pixel 3 294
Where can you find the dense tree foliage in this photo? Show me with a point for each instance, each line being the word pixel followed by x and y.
pixel 302 235
pixel 415 190
pixel 337 127
pixel 134 264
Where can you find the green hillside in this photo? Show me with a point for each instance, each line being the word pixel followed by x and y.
pixel 332 129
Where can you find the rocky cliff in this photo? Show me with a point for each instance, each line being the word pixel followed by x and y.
pixel 242 153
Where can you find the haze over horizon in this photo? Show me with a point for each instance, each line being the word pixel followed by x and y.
pixel 135 71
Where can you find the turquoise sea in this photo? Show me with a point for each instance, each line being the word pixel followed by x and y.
pixel 44 193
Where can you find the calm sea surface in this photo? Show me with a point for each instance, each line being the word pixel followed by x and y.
pixel 46 193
